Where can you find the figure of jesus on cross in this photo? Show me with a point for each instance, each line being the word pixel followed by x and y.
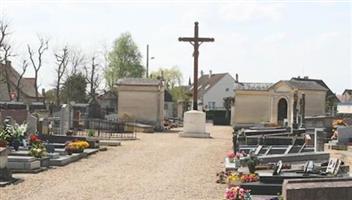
pixel 196 41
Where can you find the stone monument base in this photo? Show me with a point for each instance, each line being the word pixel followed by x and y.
pixel 194 125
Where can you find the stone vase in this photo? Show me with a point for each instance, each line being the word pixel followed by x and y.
pixel 16 144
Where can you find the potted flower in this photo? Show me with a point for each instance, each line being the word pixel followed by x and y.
pixel 231 156
pixel 37 149
pixel 237 193
pixel 248 178
pixel 12 134
pixel 234 179
pixel 76 146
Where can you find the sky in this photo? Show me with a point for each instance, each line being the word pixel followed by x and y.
pixel 262 41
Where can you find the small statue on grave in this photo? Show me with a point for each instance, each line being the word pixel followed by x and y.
pixel 252 162
pixel 234 141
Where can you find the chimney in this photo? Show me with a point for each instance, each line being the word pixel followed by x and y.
pixel 236 78
pixel 210 73
pixel 201 73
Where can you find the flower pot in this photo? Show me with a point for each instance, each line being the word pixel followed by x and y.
pixel 3 143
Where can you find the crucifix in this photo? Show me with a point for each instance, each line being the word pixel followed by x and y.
pixel 196 41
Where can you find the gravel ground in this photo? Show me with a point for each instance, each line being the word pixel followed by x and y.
pixel 157 166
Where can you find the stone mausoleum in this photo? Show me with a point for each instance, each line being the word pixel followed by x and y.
pixel 257 103
pixel 142 100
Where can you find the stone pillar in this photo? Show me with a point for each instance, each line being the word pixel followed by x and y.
pixel 295 100
pixel 194 125
pixel 303 110
pixel 319 139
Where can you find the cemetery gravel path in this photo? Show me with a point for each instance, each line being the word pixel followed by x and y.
pixel 155 167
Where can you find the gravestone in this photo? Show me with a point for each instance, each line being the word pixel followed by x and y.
pixel 319 139
pixel 31 124
pixel 344 135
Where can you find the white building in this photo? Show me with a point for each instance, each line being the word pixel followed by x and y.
pixel 212 89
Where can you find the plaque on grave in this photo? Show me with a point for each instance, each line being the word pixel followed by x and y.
pixel 331 166
pixel 308 167
pixel 278 168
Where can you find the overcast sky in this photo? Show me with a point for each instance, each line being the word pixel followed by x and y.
pixel 262 41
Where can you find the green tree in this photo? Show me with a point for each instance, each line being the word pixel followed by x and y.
pixel 124 60
pixel 172 76
pixel 74 88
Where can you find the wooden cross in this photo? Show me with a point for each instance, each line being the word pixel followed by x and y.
pixel 196 41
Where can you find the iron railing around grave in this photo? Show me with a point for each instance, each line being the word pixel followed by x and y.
pixel 102 128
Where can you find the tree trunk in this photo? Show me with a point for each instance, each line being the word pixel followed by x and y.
pixel 36 85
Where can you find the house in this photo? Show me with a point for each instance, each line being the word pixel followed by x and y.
pixel 345 107
pixel 141 100
pixel 212 89
pixel 27 89
pixel 347 95
pixel 273 103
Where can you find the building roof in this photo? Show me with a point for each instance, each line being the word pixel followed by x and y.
pixel 206 81
pixel 297 84
pixel 27 84
pixel 253 86
pixel 137 81
pixel 305 85
pixel 347 91
pixel 322 83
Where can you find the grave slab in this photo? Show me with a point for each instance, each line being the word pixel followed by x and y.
pixel 295 157
pixel 322 189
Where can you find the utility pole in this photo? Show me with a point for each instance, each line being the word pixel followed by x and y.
pixel 147 62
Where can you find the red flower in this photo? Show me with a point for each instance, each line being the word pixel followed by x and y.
pixel 231 154
pixel 34 138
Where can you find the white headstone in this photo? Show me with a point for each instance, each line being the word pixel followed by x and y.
pixel 64 119
pixel 194 125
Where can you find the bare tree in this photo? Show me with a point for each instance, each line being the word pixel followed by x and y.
pixel 77 59
pixel 92 77
pixel 44 45
pixel 5 53
pixel 4 32
pixel 62 62
pixel 18 85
